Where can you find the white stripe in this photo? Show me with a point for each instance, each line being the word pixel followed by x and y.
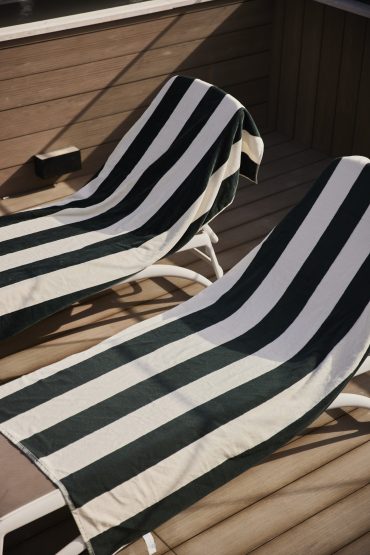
pixel 252 146
pixel 161 143
pixel 109 438
pixel 230 440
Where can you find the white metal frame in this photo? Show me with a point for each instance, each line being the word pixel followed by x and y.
pixel 204 239
pixel 54 500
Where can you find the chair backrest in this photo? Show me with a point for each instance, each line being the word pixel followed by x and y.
pixel 175 170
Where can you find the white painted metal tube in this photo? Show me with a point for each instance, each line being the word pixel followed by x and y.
pixel 350 400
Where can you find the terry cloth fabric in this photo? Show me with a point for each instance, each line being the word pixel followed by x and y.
pixel 174 171
pixel 144 424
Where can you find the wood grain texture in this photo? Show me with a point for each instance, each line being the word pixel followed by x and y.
pixel 129 37
pixel 92 76
pixel 327 531
pixel 276 57
pixel 328 77
pixel 348 86
pixel 308 71
pixel 360 546
pixel 324 83
pixel 296 459
pixel 108 128
pixel 85 87
pixel 361 144
pixel 20 179
pixel 290 63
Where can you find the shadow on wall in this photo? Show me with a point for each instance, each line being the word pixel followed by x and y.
pixel 108 77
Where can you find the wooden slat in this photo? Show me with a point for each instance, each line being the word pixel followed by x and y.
pixel 348 87
pixel 224 74
pixel 97 75
pixel 293 24
pixel 360 546
pixel 56 114
pixel 308 71
pixel 328 530
pixel 313 485
pixel 22 179
pixel 282 150
pixel 298 161
pixel 362 128
pixel 97 131
pixel 276 56
pixel 187 25
pixel 328 77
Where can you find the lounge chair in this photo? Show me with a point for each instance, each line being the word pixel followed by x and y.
pixel 170 175
pixel 144 424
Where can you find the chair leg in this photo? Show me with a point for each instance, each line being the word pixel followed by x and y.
pixel 212 238
pixel 168 270
pixel 350 400
pixel 213 260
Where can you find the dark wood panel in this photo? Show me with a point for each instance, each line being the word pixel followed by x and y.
pixel 60 112
pixel 308 70
pixel 293 25
pixel 110 128
pixel 361 144
pixel 21 178
pixel 78 108
pixel 276 56
pixel 187 25
pixel 99 130
pixel 134 67
pixel 324 87
pixel 328 78
pixel 348 86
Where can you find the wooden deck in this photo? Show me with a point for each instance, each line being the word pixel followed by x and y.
pixel 312 497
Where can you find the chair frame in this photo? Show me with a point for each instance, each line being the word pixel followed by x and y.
pixel 54 500
pixel 205 239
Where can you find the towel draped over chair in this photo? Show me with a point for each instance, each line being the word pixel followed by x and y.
pixel 144 424
pixel 174 171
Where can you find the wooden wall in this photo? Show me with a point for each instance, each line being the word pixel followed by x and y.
pixel 86 87
pixel 320 92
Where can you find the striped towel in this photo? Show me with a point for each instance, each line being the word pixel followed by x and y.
pixel 147 422
pixel 171 173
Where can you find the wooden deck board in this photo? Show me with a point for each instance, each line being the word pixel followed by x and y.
pixel 327 531
pixel 319 478
pixel 286 507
